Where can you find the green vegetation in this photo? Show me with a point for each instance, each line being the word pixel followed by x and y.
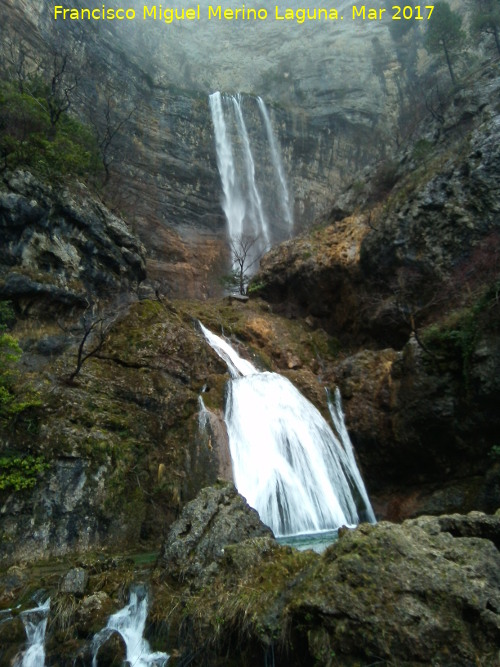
pixel 30 138
pixel 18 473
pixel 445 34
pixel 495 452
pixel 422 151
pixel 456 336
pixel 11 404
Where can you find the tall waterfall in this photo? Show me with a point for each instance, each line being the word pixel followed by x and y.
pixel 35 625
pixel 278 165
pixel 256 200
pixel 287 461
pixel 130 622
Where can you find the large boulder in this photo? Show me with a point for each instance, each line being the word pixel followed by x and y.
pixel 425 592
pixel 407 594
pixel 217 517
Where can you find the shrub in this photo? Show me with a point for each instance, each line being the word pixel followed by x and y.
pixel 28 139
pixel 18 473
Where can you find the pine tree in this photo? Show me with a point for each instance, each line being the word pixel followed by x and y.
pixel 445 34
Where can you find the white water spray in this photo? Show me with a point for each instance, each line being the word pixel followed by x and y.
pixel 349 460
pixel 248 201
pixel 232 203
pixel 278 164
pixel 130 622
pixel 287 461
pixel 35 625
pixel 259 227
pixel 203 415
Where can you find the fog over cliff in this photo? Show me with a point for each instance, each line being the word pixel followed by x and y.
pixel 343 94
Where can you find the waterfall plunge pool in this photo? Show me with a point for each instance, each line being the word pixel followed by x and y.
pixel 316 541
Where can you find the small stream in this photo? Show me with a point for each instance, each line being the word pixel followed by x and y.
pixel 130 623
pixel 35 625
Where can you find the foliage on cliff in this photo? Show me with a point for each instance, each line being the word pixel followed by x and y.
pixel 28 138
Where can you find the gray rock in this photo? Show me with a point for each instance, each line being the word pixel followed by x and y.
pixel 75 581
pixel 217 517
pixel 59 245
pixel 408 595
pixel 474 524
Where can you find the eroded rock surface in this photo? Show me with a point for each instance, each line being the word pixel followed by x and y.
pixel 217 517
pixel 60 246
pixel 423 592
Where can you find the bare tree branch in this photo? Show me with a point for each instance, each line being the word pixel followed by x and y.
pixel 244 259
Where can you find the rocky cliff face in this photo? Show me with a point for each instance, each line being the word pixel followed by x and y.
pixel 62 249
pixel 414 280
pixel 335 108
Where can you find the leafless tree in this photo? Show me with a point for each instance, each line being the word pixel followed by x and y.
pixel 107 123
pixel 435 103
pixel 16 56
pixel 92 330
pixel 62 86
pixel 245 256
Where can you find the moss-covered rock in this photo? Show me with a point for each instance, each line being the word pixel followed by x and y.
pixel 410 594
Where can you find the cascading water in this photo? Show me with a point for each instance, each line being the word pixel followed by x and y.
pixel 130 622
pixel 278 164
pixel 287 461
pixel 203 416
pixel 35 625
pixel 257 218
pixel 233 202
pixel 348 459
pixel 250 210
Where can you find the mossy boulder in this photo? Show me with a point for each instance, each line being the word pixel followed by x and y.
pixel 405 594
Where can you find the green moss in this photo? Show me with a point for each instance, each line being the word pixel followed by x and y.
pixel 454 337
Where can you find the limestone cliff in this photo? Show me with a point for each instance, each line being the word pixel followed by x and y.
pixel 62 249
pixel 338 105
pixel 414 278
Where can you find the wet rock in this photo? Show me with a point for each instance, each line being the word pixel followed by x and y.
pixel 217 517
pixel 92 613
pixel 112 652
pixel 10 583
pixel 75 581
pixel 404 594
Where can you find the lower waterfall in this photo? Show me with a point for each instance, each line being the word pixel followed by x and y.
pixel 287 461
pixel 130 622
pixel 35 624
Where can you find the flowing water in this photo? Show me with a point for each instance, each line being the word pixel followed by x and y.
pixel 130 622
pixel 287 462
pixel 256 206
pixel 278 165
pixel 35 625
pixel 257 218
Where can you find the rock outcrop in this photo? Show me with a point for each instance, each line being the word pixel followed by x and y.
pixel 217 517
pixel 62 249
pixel 120 443
pixel 424 592
pixel 409 285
